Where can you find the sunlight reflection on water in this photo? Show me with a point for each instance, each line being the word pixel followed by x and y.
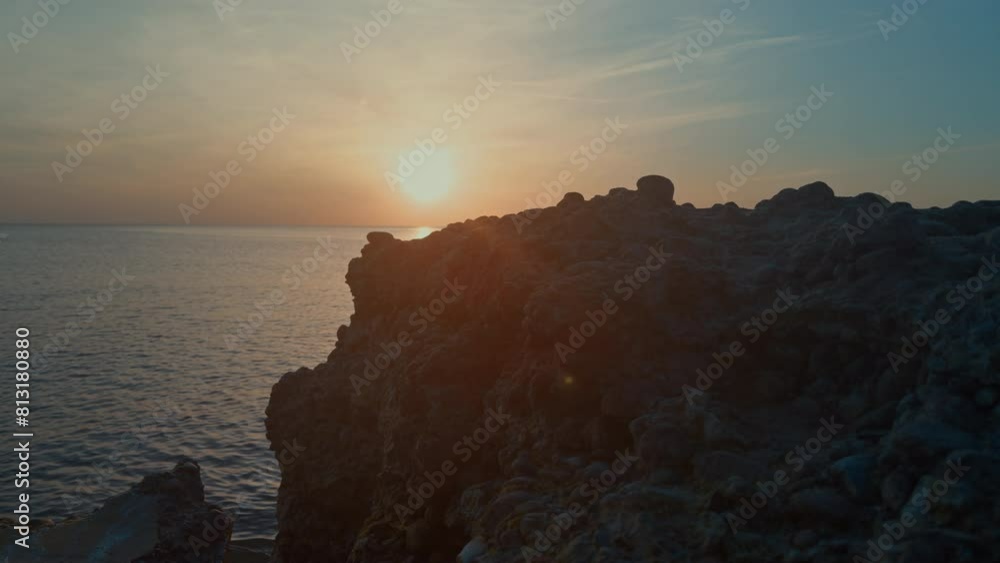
pixel 148 377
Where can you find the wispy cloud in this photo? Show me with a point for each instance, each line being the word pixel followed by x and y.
pixel 609 58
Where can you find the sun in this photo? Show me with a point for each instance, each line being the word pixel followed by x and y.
pixel 432 180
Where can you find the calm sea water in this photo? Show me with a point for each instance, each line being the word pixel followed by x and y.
pixel 143 360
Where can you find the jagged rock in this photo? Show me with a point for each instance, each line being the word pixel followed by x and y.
pixel 163 519
pixel 654 376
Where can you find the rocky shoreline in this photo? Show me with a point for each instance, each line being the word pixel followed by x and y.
pixel 162 519
pixel 628 379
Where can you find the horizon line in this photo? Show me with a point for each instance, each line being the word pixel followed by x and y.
pixel 215 225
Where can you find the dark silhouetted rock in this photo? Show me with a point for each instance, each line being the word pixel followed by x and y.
pixel 163 519
pixel 646 417
pixel 379 237
pixel 815 196
pixel 656 188
pixel 571 198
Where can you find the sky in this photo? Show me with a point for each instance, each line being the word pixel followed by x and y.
pixel 299 112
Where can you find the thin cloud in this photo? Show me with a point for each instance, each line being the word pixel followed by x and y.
pixel 676 120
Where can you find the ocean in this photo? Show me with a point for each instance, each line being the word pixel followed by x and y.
pixel 152 343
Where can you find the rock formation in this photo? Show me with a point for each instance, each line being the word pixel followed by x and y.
pixel 656 187
pixel 626 379
pixel 163 519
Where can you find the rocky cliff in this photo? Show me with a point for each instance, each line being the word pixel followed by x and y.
pixel 628 379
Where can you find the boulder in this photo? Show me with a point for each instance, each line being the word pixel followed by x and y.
pixel 817 195
pixel 571 199
pixel 656 188
pixel 163 519
pixel 377 238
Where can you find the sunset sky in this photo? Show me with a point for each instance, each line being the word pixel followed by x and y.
pixel 221 80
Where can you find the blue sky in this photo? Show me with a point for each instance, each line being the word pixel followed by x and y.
pixel 608 59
